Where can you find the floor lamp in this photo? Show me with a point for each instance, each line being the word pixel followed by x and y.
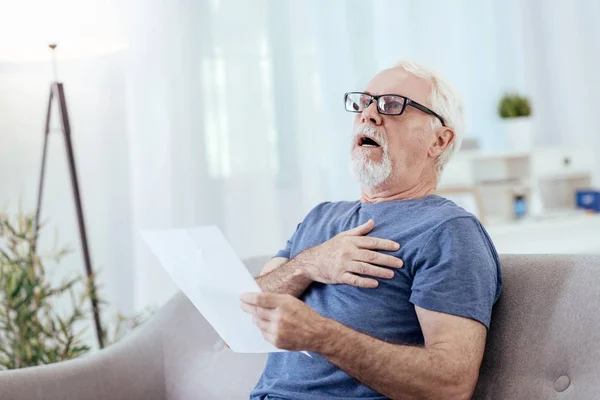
pixel 57 94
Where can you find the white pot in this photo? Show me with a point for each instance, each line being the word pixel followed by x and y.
pixel 519 133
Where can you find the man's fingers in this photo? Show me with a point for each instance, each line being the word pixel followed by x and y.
pixel 263 324
pixel 373 243
pixel 372 257
pixel 371 270
pixel 270 337
pixel 360 230
pixel 264 300
pixel 248 308
pixel 263 313
pixel 358 281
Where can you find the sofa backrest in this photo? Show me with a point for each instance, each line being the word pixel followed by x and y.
pixel 544 339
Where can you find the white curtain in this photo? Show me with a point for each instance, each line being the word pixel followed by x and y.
pixel 229 112
pixel 562 53
pixel 236 115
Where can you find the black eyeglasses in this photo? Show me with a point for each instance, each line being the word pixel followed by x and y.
pixel 387 104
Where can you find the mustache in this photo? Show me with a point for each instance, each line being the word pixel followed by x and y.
pixel 371 132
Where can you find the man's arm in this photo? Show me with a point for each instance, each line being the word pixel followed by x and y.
pixel 446 367
pixel 348 258
pixel 272 265
pixel 281 275
pixel 454 288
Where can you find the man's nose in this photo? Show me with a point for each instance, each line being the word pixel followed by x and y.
pixel 370 114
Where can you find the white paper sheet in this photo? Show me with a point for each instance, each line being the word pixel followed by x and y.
pixel 207 270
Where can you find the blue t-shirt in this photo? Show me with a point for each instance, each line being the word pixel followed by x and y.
pixel 450 266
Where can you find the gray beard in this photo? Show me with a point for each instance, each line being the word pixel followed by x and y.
pixel 368 173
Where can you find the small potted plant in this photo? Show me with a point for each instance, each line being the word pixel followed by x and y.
pixel 515 110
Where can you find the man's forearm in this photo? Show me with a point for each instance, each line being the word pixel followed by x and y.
pixel 396 371
pixel 290 278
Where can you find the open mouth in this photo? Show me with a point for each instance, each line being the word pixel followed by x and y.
pixel 365 141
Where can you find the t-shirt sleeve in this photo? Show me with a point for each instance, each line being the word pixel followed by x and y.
pixel 458 271
pixel 289 246
pixel 287 251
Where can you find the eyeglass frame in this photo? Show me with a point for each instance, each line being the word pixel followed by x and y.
pixel 407 102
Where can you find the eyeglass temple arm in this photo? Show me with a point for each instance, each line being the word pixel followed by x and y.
pixel 425 110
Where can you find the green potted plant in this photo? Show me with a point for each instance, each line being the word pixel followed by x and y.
pixel 515 111
pixel 32 330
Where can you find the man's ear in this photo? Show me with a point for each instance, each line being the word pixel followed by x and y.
pixel 443 139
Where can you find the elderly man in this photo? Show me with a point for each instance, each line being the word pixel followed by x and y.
pixel 392 294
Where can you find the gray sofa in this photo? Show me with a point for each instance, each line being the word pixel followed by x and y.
pixel 544 343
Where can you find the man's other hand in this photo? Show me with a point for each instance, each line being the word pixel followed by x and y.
pixel 346 256
pixel 285 321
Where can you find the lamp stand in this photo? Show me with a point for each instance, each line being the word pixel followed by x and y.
pixel 57 92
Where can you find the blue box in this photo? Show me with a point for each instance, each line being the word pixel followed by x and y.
pixel 588 200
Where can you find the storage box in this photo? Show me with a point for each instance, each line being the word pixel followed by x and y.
pixel 588 200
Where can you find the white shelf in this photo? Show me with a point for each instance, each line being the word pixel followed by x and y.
pixel 549 174
pixel 575 175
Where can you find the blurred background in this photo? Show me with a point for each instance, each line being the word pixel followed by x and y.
pixel 229 112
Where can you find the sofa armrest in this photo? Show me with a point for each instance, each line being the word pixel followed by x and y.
pixel 127 370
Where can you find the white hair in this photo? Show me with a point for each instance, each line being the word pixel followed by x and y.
pixel 446 102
